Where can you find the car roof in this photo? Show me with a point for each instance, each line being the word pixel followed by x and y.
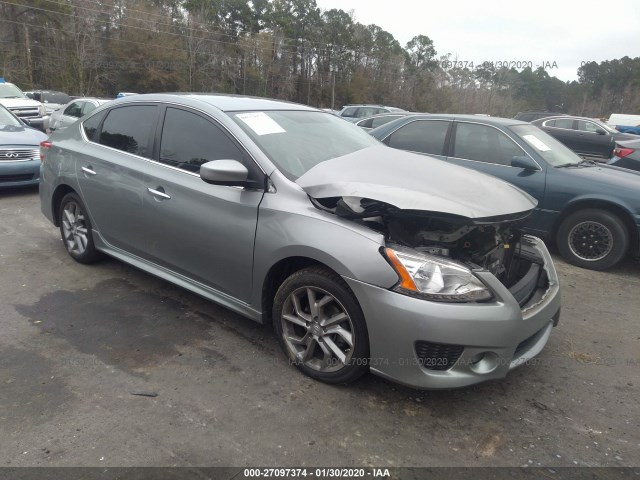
pixel 567 117
pixel 224 102
pixel 497 121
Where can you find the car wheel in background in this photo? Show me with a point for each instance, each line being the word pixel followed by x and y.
pixel 593 238
pixel 320 326
pixel 76 231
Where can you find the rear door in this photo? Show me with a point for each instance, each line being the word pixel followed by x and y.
pixel 205 232
pixel 111 174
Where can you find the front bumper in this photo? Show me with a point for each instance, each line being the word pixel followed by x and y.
pixel 493 337
pixel 19 174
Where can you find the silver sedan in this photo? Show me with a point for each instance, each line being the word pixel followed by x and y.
pixel 362 257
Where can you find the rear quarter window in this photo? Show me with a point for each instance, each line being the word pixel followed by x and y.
pixel 90 126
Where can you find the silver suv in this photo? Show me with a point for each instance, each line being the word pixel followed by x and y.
pixel 29 111
pixel 362 257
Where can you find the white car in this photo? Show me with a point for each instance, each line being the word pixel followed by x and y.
pixel 72 111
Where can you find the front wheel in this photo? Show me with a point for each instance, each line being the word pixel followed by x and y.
pixel 321 327
pixel 593 238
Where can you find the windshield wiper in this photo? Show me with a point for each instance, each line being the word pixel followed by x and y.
pixel 582 163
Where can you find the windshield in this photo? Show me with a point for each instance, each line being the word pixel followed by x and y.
pixel 297 141
pixel 10 91
pixel 6 118
pixel 554 152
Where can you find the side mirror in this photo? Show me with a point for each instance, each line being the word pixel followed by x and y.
pixel 526 163
pixel 600 131
pixel 224 172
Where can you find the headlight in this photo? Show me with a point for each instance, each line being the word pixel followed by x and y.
pixel 435 278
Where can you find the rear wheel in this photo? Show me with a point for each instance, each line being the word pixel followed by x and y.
pixel 76 231
pixel 320 326
pixel 593 238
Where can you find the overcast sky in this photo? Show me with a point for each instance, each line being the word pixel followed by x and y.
pixel 540 31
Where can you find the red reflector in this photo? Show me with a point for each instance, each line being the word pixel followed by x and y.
pixel 44 146
pixel 623 152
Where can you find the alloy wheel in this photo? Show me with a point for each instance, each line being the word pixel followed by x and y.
pixel 74 228
pixel 317 329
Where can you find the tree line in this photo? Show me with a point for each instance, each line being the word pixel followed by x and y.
pixel 286 49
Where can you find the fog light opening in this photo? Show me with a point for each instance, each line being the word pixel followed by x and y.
pixel 484 362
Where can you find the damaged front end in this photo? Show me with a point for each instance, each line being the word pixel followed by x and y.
pixel 437 255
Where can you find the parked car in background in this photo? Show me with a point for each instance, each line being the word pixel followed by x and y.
pixel 583 135
pixel 375 121
pixel 628 129
pixel 627 154
pixel 19 151
pixel 72 111
pixel 28 110
pixel 355 112
pixel 530 115
pixel 625 123
pixel 51 99
pixel 362 257
pixel 590 210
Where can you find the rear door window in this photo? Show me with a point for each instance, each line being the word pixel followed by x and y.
pixel 424 136
pixel 130 129
pixel 564 123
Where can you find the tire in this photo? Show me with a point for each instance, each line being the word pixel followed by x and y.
pixel 593 238
pixel 76 231
pixel 331 346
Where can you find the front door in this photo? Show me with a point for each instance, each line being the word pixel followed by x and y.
pixel 202 231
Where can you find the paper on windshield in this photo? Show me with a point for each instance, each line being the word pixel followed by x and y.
pixel 261 123
pixel 536 142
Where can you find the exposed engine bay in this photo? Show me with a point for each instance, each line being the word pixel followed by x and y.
pixel 493 244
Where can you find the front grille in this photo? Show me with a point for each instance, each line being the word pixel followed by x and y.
pixel 14 154
pixel 16 178
pixel 26 112
pixel 437 356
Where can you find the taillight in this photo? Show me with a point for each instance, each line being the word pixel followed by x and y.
pixel 44 146
pixel 622 152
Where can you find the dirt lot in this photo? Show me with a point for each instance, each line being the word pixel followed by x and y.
pixel 77 341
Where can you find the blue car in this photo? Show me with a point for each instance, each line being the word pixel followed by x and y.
pixel 19 151
pixel 590 210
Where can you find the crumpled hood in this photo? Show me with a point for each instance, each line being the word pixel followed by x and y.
pixel 410 181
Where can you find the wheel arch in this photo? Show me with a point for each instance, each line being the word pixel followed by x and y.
pixel 58 194
pixel 621 211
pixel 277 274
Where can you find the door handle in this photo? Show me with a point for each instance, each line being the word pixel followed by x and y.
pixel 88 170
pixel 158 193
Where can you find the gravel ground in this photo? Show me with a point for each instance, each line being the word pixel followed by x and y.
pixel 77 341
